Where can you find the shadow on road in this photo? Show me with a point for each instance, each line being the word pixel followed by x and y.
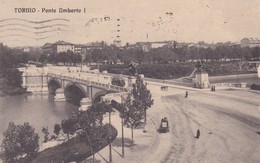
pixel 258 132
pixel 118 142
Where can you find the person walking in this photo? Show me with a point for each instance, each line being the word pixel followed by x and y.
pixel 186 95
pixel 198 134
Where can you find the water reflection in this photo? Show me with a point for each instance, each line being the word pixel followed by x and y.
pixel 39 110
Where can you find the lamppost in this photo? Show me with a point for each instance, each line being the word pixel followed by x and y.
pixel 122 121
pixel 110 147
pixel 98 69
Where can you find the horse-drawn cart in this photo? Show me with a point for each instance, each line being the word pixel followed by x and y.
pixel 164 126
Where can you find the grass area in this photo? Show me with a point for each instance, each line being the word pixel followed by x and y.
pixel 74 149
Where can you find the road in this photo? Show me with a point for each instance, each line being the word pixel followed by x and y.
pixel 229 123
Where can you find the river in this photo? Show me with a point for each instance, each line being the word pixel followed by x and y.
pixel 39 110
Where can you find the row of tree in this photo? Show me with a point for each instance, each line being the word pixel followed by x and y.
pixel 69 58
pixel 170 55
pixel 112 55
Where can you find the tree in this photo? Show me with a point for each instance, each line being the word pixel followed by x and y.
pixel 57 129
pixel 14 77
pixel 90 123
pixel 63 57
pixel 6 58
pixel 43 58
pixel 19 142
pixel 256 53
pixel 142 97
pixel 132 114
pixel 68 127
pixel 139 55
pixel 46 133
pixel 52 58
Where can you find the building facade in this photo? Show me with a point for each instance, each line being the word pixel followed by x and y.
pixel 59 46
pixel 250 42
pixel 62 46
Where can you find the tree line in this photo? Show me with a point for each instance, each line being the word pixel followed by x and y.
pixel 112 54
pixel 166 54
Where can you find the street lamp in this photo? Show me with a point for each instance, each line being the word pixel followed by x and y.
pixel 98 69
pixel 123 143
pixel 110 148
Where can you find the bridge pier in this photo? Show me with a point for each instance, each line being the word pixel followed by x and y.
pixel 35 81
pixel 59 95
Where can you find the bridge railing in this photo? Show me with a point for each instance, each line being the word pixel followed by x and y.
pixel 36 85
pixel 85 81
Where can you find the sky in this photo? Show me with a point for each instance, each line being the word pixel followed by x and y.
pixel 129 21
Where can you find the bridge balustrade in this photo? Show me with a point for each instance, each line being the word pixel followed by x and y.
pixel 84 81
pixel 36 85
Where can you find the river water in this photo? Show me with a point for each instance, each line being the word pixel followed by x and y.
pixel 39 110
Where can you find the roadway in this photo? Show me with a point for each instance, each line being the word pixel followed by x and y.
pixel 229 123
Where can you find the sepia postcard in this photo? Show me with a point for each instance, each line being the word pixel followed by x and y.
pixel 129 81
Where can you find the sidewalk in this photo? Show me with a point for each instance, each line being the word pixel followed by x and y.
pixel 142 142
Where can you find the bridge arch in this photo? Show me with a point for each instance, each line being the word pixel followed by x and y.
pixel 74 92
pixel 97 96
pixel 53 85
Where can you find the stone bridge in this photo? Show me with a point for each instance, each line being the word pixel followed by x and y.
pixel 73 85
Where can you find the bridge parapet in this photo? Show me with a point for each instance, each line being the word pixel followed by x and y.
pixel 89 82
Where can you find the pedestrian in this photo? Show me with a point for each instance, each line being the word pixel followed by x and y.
pixel 186 95
pixel 198 134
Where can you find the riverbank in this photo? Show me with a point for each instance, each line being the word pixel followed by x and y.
pixel 7 90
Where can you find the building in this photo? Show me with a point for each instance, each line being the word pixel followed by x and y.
pixel 94 45
pixel 62 46
pixel 47 48
pixel 250 42
pixel 159 44
pixel 59 46
pixel 78 49
pixel 26 49
pixel 147 46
